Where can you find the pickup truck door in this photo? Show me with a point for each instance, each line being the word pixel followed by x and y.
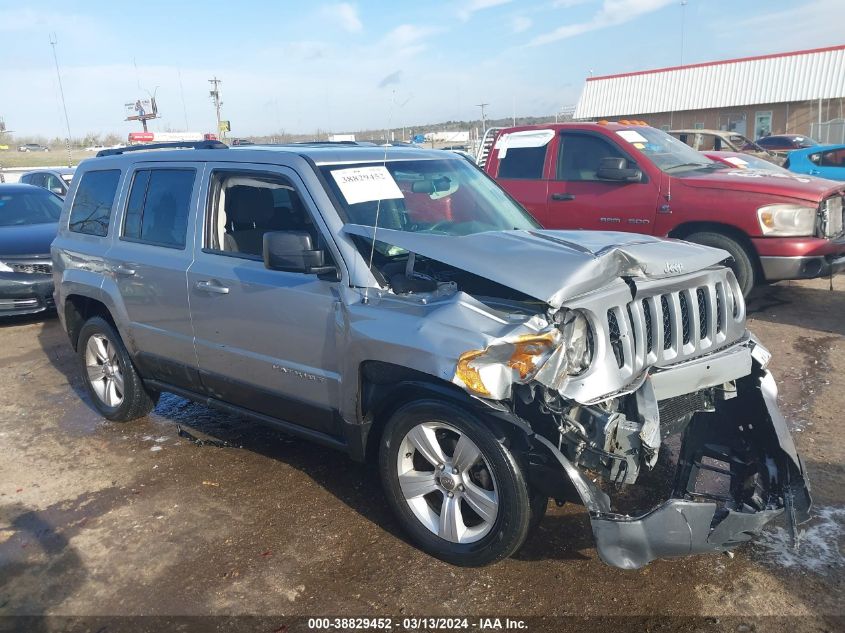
pixel 579 199
pixel 265 339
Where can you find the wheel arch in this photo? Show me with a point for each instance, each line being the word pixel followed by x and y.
pixel 78 309
pixel 384 387
pixel 682 231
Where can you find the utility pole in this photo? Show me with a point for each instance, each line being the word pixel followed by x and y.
pixel 483 117
pixel 53 42
pixel 683 22
pixel 215 96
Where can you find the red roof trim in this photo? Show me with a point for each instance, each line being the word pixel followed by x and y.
pixel 720 62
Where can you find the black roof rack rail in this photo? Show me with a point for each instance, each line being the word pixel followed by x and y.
pixel 173 145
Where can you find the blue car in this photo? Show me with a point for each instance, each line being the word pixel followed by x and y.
pixel 824 161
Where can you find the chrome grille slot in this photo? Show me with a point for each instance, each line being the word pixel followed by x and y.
pixel 649 346
pixel 667 322
pixel 685 317
pixel 720 307
pixel 701 298
pixel 615 337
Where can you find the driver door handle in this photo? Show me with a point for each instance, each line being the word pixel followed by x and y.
pixel 123 271
pixel 213 287
pixel 563 196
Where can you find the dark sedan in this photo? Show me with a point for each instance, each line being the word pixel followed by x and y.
pixel 28 223
pixel 785 142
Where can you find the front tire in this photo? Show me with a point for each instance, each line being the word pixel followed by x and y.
pixel 742 264
pixel 457 490
pixel 115 388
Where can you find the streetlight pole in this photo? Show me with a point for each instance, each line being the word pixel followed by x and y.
pixel 683 23
pixel 53 42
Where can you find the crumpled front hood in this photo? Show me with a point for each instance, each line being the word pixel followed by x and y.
pixel 553 266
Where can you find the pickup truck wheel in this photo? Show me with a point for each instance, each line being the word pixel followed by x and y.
pixel 741 265
pixel 114 386
pixel 457 490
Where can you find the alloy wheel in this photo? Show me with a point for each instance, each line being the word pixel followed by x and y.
pixel 447 482
pixel 104 371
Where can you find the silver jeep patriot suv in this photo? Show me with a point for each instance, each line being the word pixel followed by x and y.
pixel 397 305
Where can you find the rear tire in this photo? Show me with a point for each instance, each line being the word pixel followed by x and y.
pixel 742 265
pixel 115 388
pixel 480 511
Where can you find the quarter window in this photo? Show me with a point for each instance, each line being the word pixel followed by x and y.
pixel 157 212
pixel 581 155
pixel 93 202
pixel 523 163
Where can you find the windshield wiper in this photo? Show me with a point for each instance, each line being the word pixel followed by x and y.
pixel 706 165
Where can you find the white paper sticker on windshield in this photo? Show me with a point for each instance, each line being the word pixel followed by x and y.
pixel 632 136
pixel 366 184
pixel 736 160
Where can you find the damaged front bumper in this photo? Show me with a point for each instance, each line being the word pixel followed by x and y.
pixel 745 442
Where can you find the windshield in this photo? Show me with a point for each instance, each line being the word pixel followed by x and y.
pixel 755 162
pixel 448 196
pixel 30 207
pixel 667 152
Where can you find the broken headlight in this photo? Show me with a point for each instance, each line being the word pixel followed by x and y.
pixel 566 349
pixel 489 372
pixel 577 341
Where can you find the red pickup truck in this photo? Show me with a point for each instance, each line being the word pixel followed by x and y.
pixel 632 177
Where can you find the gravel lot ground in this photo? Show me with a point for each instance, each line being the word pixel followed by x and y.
pixel 105 519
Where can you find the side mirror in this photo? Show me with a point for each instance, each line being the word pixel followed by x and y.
pixel 58 191
pixel 294 251
pixel 617 169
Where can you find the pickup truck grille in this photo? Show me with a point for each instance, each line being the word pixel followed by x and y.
pixel 663 328
pixel 31 267
pixel 832 216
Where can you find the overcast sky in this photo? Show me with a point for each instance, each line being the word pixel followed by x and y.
pixel 303 66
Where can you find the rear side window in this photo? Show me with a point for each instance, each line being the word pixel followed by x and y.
pixel 157 212
pixel 524 163
pixel 93 202
pixel 833 158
